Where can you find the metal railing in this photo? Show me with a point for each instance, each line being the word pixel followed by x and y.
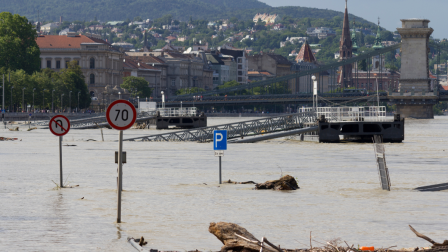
pixel 235 130
pixel 339 114
pixel 175 112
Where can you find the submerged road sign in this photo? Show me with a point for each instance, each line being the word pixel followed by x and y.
pixel 121 115
pixel 59 125
pixel 219 145
pixel 220 140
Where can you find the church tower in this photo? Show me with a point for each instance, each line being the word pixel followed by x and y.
pixel 345 50
pixel 377 61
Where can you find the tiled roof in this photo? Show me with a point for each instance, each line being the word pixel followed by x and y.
pixel 266 73
pixel 129 63
pixel 280 59
pixel 56 41
pixel 305 54
pixel 214 59
pixel 445 87
pixel 146 59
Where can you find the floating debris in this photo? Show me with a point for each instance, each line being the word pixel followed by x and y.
pixel 286 182
pixel 9 139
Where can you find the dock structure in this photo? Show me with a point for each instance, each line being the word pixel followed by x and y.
pixel 180 118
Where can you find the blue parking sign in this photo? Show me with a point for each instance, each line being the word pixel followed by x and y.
pixel 220 140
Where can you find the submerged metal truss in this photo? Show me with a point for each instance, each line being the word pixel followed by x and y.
pixel 235 130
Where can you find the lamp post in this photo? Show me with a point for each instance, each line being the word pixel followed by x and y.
pixel 23 99
pixel 43 98
pixel 33 101
pixel 138 102
pixel 79 92
pixel 119 95
pixel 52 101
pixel 314 92
pixel 62 97
pixel 70 101
pixel 11 109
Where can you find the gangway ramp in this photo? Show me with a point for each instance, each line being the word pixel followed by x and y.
pixel 235 130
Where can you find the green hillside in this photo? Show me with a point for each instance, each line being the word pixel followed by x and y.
pixel 108 10
pixel 71 10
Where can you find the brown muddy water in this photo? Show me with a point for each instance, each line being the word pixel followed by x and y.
pixel 171 191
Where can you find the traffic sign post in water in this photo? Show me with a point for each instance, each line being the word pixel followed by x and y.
pixel 59 125
pixel 219 145
pixel 120 115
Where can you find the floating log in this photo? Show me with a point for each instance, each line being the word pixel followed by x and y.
pixel 234 182
pixel 236 238
pixel 286 182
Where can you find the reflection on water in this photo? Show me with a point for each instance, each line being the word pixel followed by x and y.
pixel 172 192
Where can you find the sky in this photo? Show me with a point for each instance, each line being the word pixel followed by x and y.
pixel 389 11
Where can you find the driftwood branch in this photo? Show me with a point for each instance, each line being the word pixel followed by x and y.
pixel 263 240
pixel 434 244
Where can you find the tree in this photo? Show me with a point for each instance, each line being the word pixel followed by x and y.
pixel 74 80
pixel 18 47
pixel 370 40
pixel 137 86
pixel 362 65
pixel 191 90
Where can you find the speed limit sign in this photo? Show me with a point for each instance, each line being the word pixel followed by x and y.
pixel 121 115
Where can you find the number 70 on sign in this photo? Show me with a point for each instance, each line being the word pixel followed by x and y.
pixel 121 115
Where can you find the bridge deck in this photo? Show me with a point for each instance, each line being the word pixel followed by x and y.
pixel 235 130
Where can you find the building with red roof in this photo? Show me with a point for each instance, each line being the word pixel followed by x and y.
pixel 101 64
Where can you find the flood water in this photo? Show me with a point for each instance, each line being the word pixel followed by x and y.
pixel 171 191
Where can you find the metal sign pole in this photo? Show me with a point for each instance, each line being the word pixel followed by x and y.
pixel 220 170
pixel 3 101
pixel 60 161
pixel 120 166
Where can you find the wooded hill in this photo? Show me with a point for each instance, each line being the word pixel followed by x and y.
pixel 110 10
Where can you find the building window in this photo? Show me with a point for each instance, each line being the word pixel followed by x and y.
pixel 66 63
pixel 240 72
pixel 58 64
pixel 92 63
pixel 173 82
pixel 92 79
pixel 48 63
pixel 240 79
pixel 240 67
pixel 240 60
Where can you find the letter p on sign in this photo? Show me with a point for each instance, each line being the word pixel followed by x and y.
pixel 220 140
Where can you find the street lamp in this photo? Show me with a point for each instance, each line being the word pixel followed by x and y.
pixel 43 98
pixel 138 102
pixel 62 97
pixel 52 101
pixel 33 99
pixel 11 109
pixel 79 92
pixel 70 102
pixel 23 98
pixel 119 95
